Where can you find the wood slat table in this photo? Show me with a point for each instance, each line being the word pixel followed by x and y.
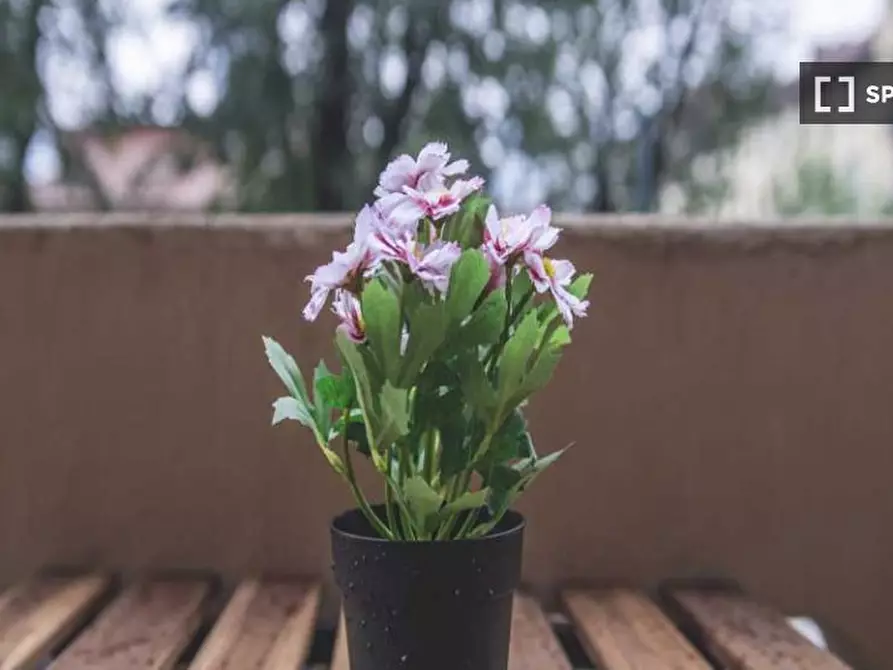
pixel 178 624
pixel 742 634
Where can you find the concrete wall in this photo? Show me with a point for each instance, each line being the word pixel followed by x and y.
pixel 731 396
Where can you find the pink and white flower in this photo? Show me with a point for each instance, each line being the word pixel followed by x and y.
pixel 405 171
pixel 347 269
pixel 513 238
pixel 431 263
pixel 555 276
pixel 430 199
pixel 506 237
pixel 347 307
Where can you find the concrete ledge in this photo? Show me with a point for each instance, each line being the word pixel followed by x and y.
pixel 613 226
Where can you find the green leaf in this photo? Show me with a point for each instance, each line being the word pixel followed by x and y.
pixel 561 337
pixel 486 323
pixel 467 501
pixel 284 366
pixel 477 388
pixel 448 412
pixel 466 227
pixel 538 376
pixel 294 409
pixel 580 286
pixel 335 391
pixel 356 433
pixel 381 314
pixel 516 355
pixel 392 416
pixel 353 360
pixel 427 331
pixel 323 409
pixel 468 278
pixel 424 503
pixel 540 464
pixel 501 482
pixel 511 442
pixel 521 286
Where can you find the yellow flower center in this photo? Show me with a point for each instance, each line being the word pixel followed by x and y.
pixel 549 267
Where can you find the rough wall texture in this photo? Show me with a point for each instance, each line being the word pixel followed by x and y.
pixel 730 396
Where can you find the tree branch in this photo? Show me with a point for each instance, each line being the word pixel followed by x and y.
pixel 329 142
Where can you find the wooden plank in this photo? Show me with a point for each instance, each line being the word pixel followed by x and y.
pixel 625 630
pixel 266 626
pixel 534 645
pixel 146 628
pixel 340 657
pixel 37 615
pixel 745 635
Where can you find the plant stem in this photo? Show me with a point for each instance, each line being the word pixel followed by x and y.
pixel 383 530
pixel 511 318
pixel 432 439
pixel 469 523
pixel 389 508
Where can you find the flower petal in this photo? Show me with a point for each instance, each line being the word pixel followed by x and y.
pixel 317 301
pixel 462 188
pixel 562 271
pixel 397 173
pixel 406 214
pixel 455 168
pixel 433 156
pixel 347 308
pixel 492 224
pixel 537 269
pixel 569 305
pixel 367 222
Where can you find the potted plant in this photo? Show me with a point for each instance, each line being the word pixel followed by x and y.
pixel 451 317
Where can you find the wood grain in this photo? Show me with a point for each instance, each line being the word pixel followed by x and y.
pixel 146 628
pixel 625 630
pixel 39 614
pixel 340 656
pixel 533 644
pixel 745 635
pixel 265 626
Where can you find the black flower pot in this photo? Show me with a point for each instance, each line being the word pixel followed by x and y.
pixel 427 605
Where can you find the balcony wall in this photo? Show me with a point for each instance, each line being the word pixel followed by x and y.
pixel 731 399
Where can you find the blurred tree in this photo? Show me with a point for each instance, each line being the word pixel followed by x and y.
pixel 821 190
pixel 592 105
pixel 22 97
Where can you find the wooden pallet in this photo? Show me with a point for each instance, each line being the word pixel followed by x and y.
pixel 86 623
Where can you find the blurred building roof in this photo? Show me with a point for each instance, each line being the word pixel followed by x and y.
pixel 139 167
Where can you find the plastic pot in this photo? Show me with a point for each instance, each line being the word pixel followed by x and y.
pixel 439 605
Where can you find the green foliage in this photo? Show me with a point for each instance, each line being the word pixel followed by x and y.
pixel 297 89
pixel 467 229
pixel 818 190
pixel 447 405
pixel 381 310
pixel 467 279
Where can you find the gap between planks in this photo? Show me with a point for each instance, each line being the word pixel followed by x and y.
pixel 146 627
pixel 38 615
pixel 267 625
pixel 624 630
